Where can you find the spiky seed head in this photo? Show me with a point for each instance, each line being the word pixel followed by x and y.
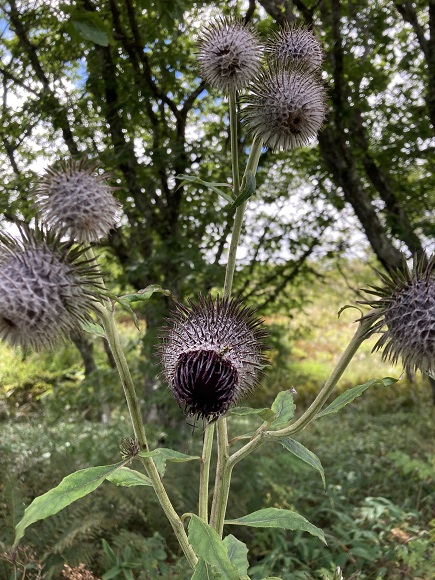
pixel 212 355
pixel 295 45
pixel 76 199
pixel 47 289
pixel 285 108
pixel 229 55
pixel 404 312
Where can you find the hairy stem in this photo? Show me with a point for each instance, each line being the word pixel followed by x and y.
pixel 106 312
pixel 223 479
pixel 204 473
pixel 310 414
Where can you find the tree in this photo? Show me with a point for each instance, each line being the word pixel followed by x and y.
pixel 118 81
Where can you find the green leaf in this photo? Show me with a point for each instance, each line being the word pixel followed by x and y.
pixel 277 518
pixel 284 409
pixel 108 551
pixel 145 294
pixel 70 489
pixel 93 328
pixel 303 453
pixel 265 413
pixel 93 31
pixel 237 553
pixel 140 296
pixel 351 394
pixel 127 477
pixel 204 571
pixel 214 186
pixel 247 191
pixel 162 455
pixel 112 573
pixel 208 545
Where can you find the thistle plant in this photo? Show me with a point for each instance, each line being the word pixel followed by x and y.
pixel 212 350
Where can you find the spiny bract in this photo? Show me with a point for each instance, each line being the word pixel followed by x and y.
pixel 47 289
pixel 212 355
pixel 77 200
pixel 404 312
pixel 285 108
pixel 295 45
pixel 229 55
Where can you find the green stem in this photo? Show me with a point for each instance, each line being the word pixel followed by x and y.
pixel 310 414
pixel 106 312
pixel 171 514
pixel 107 318
pixel 222 484
pixel 262 436
pixel 223 476
pixel 252 165
pixel 222 480
pixel 234 126
pixel 204 473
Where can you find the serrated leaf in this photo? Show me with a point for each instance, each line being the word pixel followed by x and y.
pixel 284 409
pixel 247 191
pixel 204 571
pixel 70 489
pixel 162 455
pixel 238 554
pixel 91 31
pixel 351 394
pixel 93 328
pixel 127 477
pixel 277 518
pixel 303 453
pixel 208 545
pixel 265 413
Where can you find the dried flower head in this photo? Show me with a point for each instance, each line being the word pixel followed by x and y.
pixel 77 200
pixel 47 289
pixel 285 108
pixel 404 312
pixel 212 355
pixel 229 55
pixel 296 45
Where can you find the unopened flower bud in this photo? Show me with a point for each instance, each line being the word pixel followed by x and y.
pixel 212 355
pixel 77 200
pixel 404 312
pixel 47 289
pixel 229 55
pixel 285 108
pixel 295 45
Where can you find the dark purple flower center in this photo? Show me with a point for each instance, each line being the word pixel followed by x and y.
pixel 204 383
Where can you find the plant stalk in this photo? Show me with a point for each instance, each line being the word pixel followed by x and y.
pixel 223 477
pixel 204 473
pixel 106 312
pixel 315 407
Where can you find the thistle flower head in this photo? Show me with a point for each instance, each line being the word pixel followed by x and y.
pixel 285 108
pixel 77 200
pixel 229 55
pixel 404 312
pixel 295 45
pixel 46 289
pixel 212 355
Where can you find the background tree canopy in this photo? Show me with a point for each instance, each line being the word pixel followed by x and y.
pixel 118 81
